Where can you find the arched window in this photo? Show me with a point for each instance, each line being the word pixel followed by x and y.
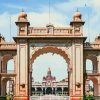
pixel 89 66
pixel 10 66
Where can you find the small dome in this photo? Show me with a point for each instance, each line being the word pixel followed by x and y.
pixel 22 15
pixel 77 14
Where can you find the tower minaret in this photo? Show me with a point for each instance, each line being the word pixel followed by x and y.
pixel 49 72
pixel 77 24
pixel 22 24
pixel 23 76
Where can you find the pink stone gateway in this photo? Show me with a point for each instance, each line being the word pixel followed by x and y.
pixel 31 42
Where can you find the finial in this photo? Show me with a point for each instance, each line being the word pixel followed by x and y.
pixel 49 69
pixel 77 16
pixel 22 15
pixel 22 10
pixel 77 10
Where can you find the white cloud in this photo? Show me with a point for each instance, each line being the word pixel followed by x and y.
pixel 42 19
pixel 61 15
pixel 36 19
pixel 14 6
pixel 88 8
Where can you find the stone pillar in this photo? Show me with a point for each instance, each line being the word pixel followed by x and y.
pixel 98 63
pixel 42 90
pixel 22 70
pixel 98 94
pixel 76 82
pixel 35 90
pixel 84 74
pixel 95 88
pixel 0 72
pixel 98 59
pixel 98 87
pixel 3 88
pixel 55 90
pixel 45 90
pixel 62 90
pixel 15 67
pixel 52 90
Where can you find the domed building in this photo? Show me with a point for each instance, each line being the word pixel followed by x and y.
pixel 49 85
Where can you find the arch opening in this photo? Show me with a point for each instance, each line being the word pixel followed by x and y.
pixel 91 64
pixel 48 90
pixel 10 66
pixel 8 69
pixel 54 61
pixel 91 86
pixel 10 87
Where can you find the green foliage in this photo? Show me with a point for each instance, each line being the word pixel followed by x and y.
pixel 90 97
pixel 2 98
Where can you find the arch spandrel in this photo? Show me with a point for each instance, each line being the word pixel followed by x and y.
pixel 8 57
pixel 53 49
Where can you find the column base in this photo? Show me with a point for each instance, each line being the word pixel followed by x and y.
pixel 21 98
pixel 76 98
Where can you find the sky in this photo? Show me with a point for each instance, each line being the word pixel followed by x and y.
pixel 38 14
pixel 61 13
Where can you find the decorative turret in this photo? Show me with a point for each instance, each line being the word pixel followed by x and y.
pixel 22 24
pixel 49 72
pixel 77 16
pixel 22 16
pixel 2 39
pixel 50 28
pixel 77 24
pixel 97 39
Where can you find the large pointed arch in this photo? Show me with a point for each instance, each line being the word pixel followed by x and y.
pixel 52 50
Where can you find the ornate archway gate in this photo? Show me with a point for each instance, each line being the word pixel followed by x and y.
pixel 30 42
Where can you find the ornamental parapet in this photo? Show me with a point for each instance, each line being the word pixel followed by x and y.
pixel 8 74
pixel 93 73
pixel 53 31
pixel 92 46
pixel 8 46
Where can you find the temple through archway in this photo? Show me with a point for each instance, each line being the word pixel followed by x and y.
pixel 53 77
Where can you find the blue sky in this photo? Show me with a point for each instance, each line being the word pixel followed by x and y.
pixel 61 14
pixel 28 5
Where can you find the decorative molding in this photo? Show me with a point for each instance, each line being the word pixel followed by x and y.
pixel 22 41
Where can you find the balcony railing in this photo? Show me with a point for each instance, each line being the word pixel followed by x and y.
pixel 7 46
pixel 8 72
pixel 52 32
pixel 49 97
pixel 93 46
pixel 91 71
